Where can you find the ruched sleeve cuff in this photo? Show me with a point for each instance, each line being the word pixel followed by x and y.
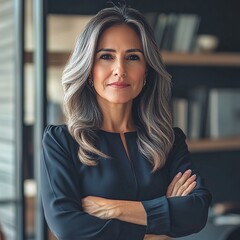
pixel 158 220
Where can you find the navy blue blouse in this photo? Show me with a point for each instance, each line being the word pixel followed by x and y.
pixel 65 180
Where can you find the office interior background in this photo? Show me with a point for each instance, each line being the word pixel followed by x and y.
pixel 200 43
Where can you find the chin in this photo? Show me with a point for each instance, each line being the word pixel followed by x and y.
pixel 121 101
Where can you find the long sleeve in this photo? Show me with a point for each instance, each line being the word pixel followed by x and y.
pixel 61 196
pixel 179 216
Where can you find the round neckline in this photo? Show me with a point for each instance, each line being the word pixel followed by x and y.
pixel 118 133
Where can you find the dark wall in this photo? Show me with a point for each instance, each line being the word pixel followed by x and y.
pixel 221 173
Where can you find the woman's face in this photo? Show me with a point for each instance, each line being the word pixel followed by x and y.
pixel 119 68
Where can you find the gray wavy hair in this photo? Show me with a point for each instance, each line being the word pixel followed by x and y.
pixel 151 108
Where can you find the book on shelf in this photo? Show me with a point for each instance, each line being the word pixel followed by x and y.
pixel 189 113
pixel 186 32
pixel 169 33
pixel 224 112
pixel 187 116
pixel 180 113
pixel 194 120
pixel 160 27
pixel 176 32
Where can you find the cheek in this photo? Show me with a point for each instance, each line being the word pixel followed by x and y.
pixel 100 72
pixel 96 72
pixel 140 71
pixel 139 77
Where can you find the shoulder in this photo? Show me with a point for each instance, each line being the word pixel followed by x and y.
pixel 56 132
pixel 179 139
pixel 179 134
pixel 57 135
pixel 179 148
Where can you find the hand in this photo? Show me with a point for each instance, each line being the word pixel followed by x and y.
pixel 100 207
pixel 182 184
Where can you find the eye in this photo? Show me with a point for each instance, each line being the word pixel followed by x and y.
pixel 106 57
pixel 133 57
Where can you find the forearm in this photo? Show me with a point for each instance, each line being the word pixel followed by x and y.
pixel 132 212
pixel 127 211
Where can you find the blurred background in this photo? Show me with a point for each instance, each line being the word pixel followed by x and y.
pixel 200 43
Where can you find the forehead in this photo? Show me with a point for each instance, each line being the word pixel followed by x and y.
pixel 120 35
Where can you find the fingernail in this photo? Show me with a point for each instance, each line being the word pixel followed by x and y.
pixel 179 174
pixel 188 171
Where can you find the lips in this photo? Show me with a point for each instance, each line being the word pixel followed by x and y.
pixel 119 84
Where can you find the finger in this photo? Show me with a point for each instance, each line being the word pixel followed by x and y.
pixel 185 186
pixel 172 184
pixel 189 189
pixel 181 181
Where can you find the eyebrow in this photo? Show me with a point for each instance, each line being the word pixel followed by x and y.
pixel 112 50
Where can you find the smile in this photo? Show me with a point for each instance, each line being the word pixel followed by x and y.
pixel 118 85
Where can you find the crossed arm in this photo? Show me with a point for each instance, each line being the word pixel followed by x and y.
pixel 98 218
pixel 133 211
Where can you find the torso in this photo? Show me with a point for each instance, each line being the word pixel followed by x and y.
pixel 127 175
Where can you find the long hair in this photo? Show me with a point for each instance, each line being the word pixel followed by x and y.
pixel 151 108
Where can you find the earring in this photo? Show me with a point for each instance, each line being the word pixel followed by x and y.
pixel 144 82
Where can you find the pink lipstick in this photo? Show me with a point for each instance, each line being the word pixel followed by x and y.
pixel 119 84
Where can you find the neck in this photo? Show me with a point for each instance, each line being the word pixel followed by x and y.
pixel 117 117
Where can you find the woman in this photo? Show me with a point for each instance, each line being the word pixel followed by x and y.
pixel 117 169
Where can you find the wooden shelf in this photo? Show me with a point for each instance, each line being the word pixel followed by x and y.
pixel 169 58
pixel 209 145
pixel 54 58
pixel 202 59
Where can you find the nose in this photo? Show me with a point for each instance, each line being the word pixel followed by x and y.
pixel 119 70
